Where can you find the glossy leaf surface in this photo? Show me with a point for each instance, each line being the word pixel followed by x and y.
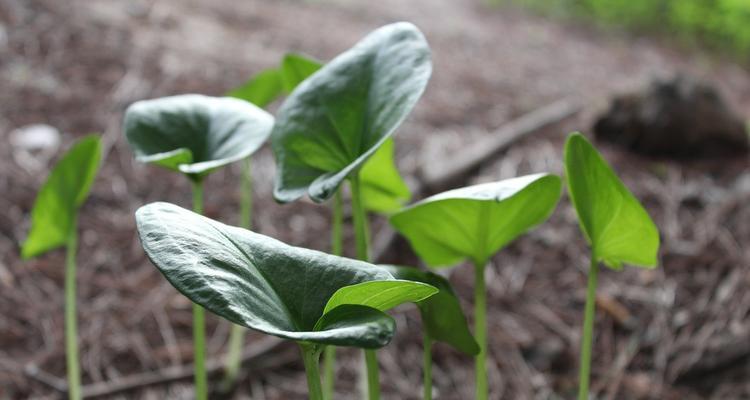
pixel 441 313
pixel 195 134
pixel 615 224
pixel 259 282
pixel 475 222
pixel 339 116
pixel 383 188
pixel 66 188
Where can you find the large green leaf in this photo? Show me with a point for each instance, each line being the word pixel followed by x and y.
pixel 383 189
pixel 381 295
pixel 56 207
pixel 442 316
pixel 339 116
pixel 195 134
pixel 615 224
pixel 475 222
pixel 259 282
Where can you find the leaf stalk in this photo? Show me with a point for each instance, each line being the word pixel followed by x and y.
pixel 71 330
pixel 480 330
pixel 337 244
pixel 588 331
pixel 310 357
pixel 199 319
pixel 237 332
pixel 360 233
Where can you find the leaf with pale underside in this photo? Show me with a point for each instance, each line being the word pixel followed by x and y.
pixel 195 134
pixel 66 188
pixel 615 224
pixel 337 118
pixel 441 313
pixel 475 222
pixel 261 283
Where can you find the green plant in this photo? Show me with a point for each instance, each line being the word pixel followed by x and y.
pixel 474 223
pixel 442 319
pixel 54 223
pixel 261 90
pixel 722 24
pixel 340 116
pixel 303 295
pixel 615 225
pixel 195 135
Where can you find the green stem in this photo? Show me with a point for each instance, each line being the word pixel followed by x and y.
pixel 360 233
pixel 588 331
pixel 373 375
pixel 337 239
pixel 427 369
pixel 329 367
pixel 237 332
pixel 360 219
pixel 310 356
pixel 71 334
pixel 199 323
pixel 480 331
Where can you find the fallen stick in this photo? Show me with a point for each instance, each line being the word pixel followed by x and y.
pixel 435 178
pixel 214 366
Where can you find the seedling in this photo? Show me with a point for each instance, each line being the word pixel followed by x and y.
pixel 474 223
pixel 54 223
pixel 298 294
pixel 196 135
pixel 442 319
pixel 615 225
pixel 337 118
pixel 261 90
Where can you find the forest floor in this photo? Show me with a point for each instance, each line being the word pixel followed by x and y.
pixel 678 332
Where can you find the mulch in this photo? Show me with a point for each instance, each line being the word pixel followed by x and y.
pixel 681 331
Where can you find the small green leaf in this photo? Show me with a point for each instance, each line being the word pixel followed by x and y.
pixel 383 189
pixel 195 134
pixel 475 222
pixel 261 90
pixel 295 68
pixel 615 224
pixel 442 316
pixel 381 295
pixel 66 188
pixel 269 84
pixel 339 116
pixel 258 282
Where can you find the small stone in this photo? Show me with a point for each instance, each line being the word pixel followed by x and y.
pixel 35 137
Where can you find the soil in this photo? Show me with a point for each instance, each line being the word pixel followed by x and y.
pixel 677 332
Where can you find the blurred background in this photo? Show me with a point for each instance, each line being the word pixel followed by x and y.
pixel 663 86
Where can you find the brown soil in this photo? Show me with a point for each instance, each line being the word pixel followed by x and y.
pixel 678 332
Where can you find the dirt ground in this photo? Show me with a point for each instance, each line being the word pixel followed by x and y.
pixel 678 332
